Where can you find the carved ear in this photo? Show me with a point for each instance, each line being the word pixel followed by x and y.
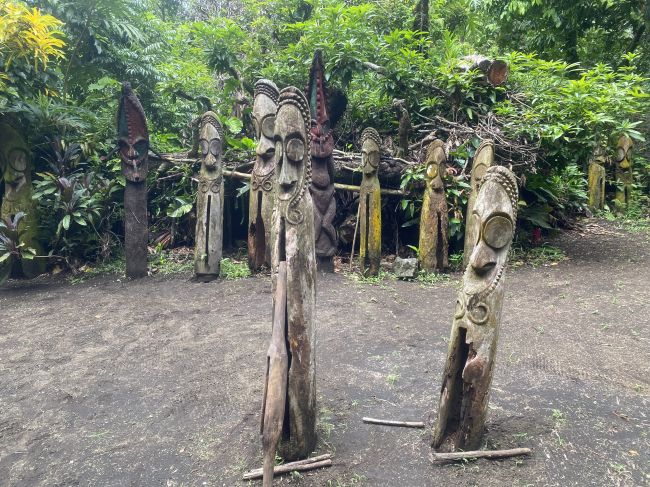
pixel 337 104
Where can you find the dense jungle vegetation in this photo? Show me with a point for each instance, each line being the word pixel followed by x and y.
pixel 578 79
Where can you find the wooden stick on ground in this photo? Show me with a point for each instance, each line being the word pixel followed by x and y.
pixel 387 422
pixel 299 466
pixel 461 455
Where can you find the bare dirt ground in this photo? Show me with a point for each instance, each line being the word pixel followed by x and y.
pixel 159 381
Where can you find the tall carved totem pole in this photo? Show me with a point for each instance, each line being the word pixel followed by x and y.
pixel 262 197
pixel 16 170
pixel 475 331
pixel 434 221
pixel 624 176
pixel 370 203
pixel 133 144
pixel 322 184
pixel 483 159
pixel 596 180
pixel 291 373
pixel 209 200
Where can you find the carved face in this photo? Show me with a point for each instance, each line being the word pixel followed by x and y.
pixel 210 142
pixel 322 141
pixel 435 165
pixel 290 151
pixel 264 121
pixel 16 172
pixel 369 156
pixel 482 161
pixel 623 153
pixel 132 136
pixel 493 215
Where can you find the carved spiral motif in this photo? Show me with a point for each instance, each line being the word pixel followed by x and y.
pixel 263 181
pixel 210 184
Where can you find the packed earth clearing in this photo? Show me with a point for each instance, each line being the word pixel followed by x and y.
pixel 159 381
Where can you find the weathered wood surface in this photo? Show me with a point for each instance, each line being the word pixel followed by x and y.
pixel 312 463
pixel 293 242
pixel 322 162
pixel 133 146
pixel 495 72
pixel 483 159
pixel 463 455
pixel 208 248
pixel 475 331
pixel 388 422
pixel 596 181
pixel 624 175
pixel 277 369
pixel 370 204
pixel 262 194
pixel 16 171
pixel 434 220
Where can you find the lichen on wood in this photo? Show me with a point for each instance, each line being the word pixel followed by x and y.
pixel 624 175
pixel 596 181
pixel 370 204
pixel 471 354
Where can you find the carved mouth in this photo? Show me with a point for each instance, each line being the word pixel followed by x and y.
pixel 474 280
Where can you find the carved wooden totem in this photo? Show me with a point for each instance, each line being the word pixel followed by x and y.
pixel 291 381
pixel 133 144
pixel 404 127
pixel 483 159
pixel 15 161
pixel 322 184
pixel 370 204
pixel 434 221
pixel 624 176
pixel 596 180
pixel 475 330
pixel 261 202
pixel 209 200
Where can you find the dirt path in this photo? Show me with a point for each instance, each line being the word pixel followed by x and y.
pixel 159 381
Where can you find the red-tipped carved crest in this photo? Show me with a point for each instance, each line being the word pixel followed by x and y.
pixel 132 136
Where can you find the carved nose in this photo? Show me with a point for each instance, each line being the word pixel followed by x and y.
pixel 284 179
pixel 265 148
pixel 483 258
pixel 132 154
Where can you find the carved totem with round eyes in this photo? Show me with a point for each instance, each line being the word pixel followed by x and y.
pixel 16 170
pixel 624 176
pixel 434 221
pixel 475 330
pixel 262 195
pixel 133 144
pixel 209 200
pixel 596 180
pixel 322 183
pixel 483 159
pixel 370 203
pixel 293 277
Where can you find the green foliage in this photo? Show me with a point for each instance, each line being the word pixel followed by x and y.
pixel 233 269
pixel 12 249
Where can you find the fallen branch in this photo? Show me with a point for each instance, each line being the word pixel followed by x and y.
pixel 461 455
pixel 299 466
pixel 387 422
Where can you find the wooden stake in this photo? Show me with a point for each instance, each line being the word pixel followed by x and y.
pixel 387 422
pixel 461 455
pixel 299 466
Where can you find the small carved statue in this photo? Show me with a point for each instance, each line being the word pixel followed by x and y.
pixel 15 159
pixel 475 331
pixel 483 159
pixel 209 200
pixel 434 220
pixel 133 145
pixel 596 180
pixel 403 129
pixel 370 203
pixel 322 184
pixel 291 373
pixel 262 197
pixel 624 176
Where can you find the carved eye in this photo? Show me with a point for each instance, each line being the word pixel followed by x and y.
pixel 141 147
pixel 432 171
pixel 205 147
pixel 18 160
pixel 497 231
pixel 620 154
pixel 295 150
pixel 268 126
pixel 215 147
